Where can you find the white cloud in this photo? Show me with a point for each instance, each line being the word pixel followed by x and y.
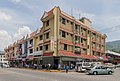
pixel 23 31
pixel 5 16
pixel 88 15
pixel 111 20
pixel 16 1
pixel 5 39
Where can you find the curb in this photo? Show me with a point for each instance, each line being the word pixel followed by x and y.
pixel 41 70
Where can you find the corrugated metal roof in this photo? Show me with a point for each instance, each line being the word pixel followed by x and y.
pixel 112 53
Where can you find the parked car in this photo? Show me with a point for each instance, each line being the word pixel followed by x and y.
pixel 82 66
pixel 5 65
pixel 110 65
pixel 100 70
pixel 117 66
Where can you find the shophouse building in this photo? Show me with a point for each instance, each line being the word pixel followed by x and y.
pixel 63 39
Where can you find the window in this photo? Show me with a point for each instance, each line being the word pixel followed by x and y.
pixel 63 34
pixel 60 33
pixel 88 46
pixel 103 67
pixel 36 37
pixel 97 36
pixel 81 29
pixel 46 47
pixel 31 50
pixel 20 46
pixel 47 35
pixel 65 46
pixel 31 41
pixel 67 21
pixel 98 68
pixel 93 53
pixel 37 48
pixel 76 26
pixel 63 21
pixel 41 37
pixel 71 23
pixel 76 38
pixel 88 32
pixel 41 48
pixel 67 33
pixel 81 40
pixel 71 35
pixel 13 55
pixel 47 23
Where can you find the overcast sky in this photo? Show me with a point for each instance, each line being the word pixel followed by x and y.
pixel 19 17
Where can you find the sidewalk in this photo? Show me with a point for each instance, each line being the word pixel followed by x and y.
pixel 44 70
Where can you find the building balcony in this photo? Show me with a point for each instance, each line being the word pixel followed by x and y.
pixel 98 49
pixel 94 40
pixel 77 51
pixel 77 34
pixel 84 46
pixel 30 46
pixel 38 53
pixel 66 30
pixel 66 42
pixel 83 36
pixel 94 49
pixel 40 42
pixel 19 51
pixel 77 44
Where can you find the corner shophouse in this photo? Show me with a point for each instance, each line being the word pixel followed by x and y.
pixel 64 39
pixel 67 40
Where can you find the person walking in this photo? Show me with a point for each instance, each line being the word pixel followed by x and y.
pixel 66 68
pixel 59 66
pixel 49 66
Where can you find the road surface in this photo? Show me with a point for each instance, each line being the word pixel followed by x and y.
pixel 15 74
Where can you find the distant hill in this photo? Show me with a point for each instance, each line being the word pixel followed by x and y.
pixel 113 46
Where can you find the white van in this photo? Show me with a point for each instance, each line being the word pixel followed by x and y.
pixel 82 66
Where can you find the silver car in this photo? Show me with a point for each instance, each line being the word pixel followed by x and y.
pixel 100 70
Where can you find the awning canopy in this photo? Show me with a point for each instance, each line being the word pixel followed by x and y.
pixel 70 54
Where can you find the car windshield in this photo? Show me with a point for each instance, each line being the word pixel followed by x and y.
pixel 86 64
pixel 92 65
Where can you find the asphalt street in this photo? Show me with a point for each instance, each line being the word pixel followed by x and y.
pixel 15 74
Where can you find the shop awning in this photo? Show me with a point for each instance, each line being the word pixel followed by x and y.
pixel 89 56
pixel 66 53
pixel 84 56
pixel 68 59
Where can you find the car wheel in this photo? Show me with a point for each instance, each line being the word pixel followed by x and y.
pixel 95 73
pixel 109 72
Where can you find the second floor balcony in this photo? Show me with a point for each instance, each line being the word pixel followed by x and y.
pixel 77 50
pixel 38 53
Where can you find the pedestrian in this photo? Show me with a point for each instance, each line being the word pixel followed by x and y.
pixel 67 68
pixel 35 66
pixel 59 66
pixel 49 66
